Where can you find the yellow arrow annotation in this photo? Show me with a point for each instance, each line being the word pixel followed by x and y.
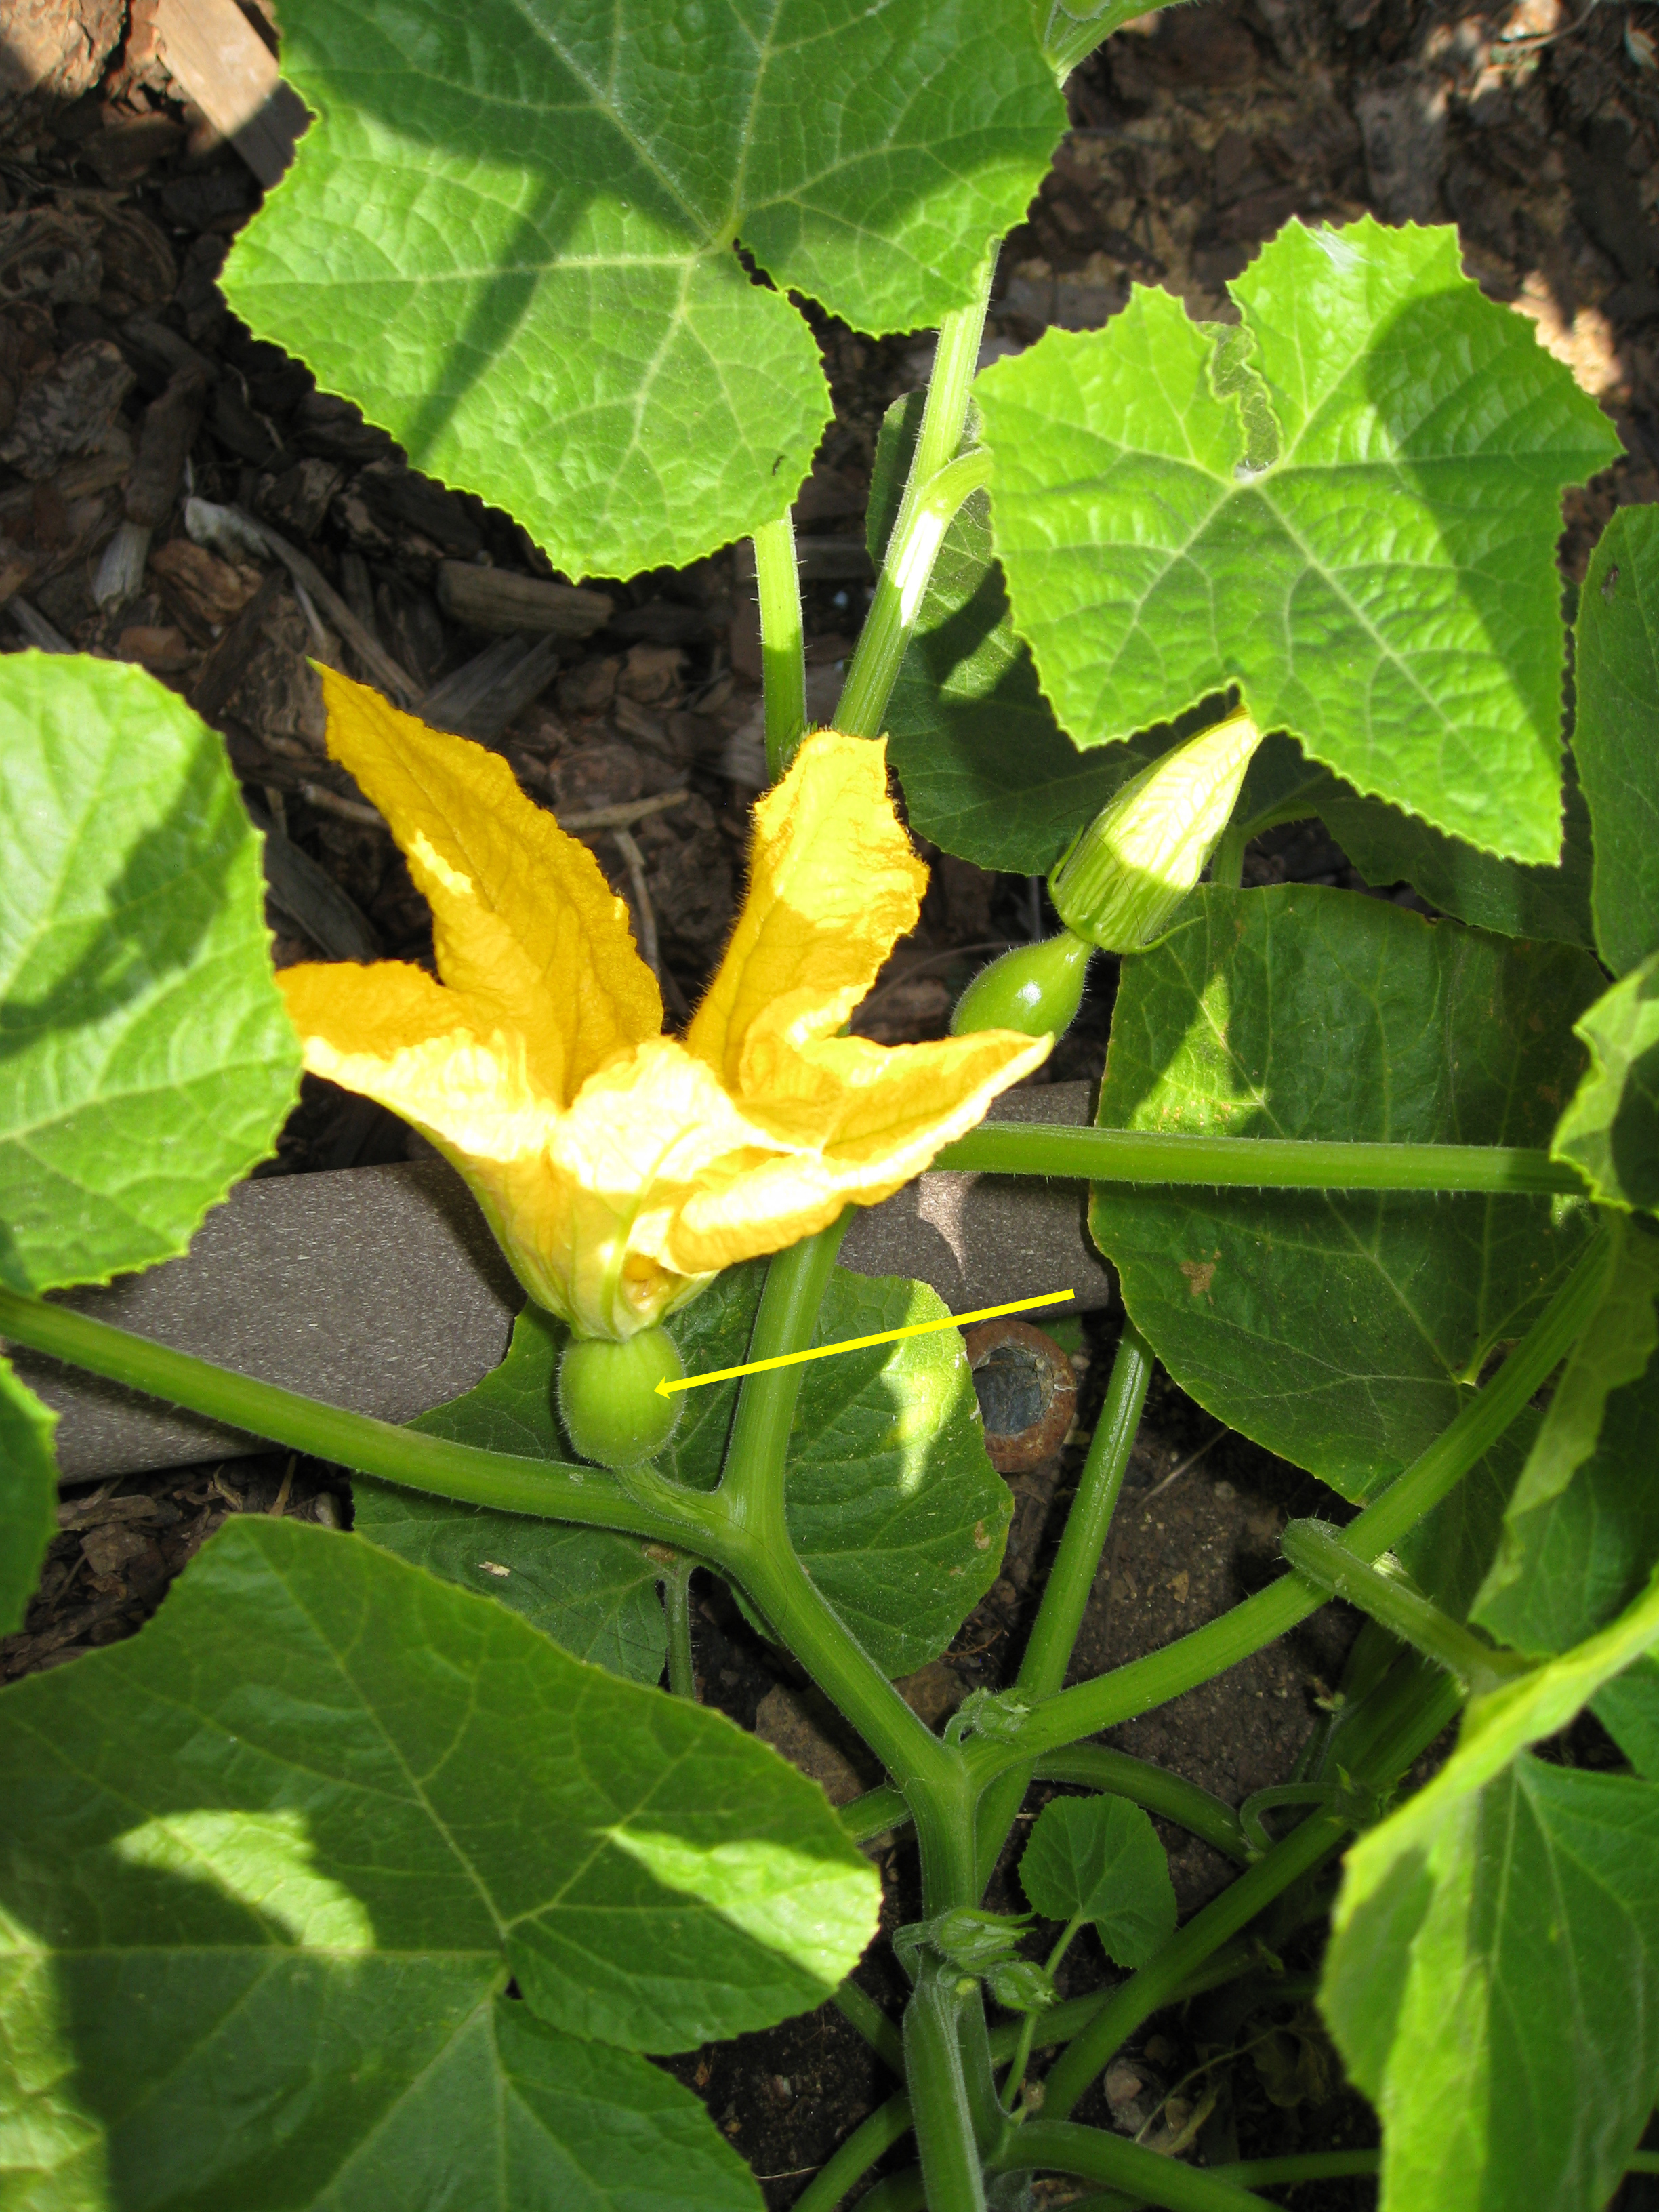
pixel 666 1390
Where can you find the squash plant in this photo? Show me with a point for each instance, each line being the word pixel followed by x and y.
pixel 346 1881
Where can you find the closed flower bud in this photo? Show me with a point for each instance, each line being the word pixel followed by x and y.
pixel 1034 990
pixel 1139 858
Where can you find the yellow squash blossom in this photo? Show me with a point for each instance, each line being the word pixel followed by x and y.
pixel 620 1168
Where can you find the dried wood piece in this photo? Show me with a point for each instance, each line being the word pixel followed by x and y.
pixel 34 626
pixel 169 430
pixel 69 409
pixel 496 599
pixel 215 54
pixel 344 809
pixel 480 700
pixel 48 255
pixel 336 924
pixel 209 526
pixel 205 588
pixel 225 666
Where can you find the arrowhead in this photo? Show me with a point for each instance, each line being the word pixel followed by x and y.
pixel 663 1390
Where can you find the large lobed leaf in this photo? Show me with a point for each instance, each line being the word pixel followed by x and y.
pixel 1347 507
pixel 1493 1977
pixel 1615 734
pixel 510 235
pixel 1342 1330
pixel 146 1060
pixel 268 1866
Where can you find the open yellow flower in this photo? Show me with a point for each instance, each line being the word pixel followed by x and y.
pixel 622 1170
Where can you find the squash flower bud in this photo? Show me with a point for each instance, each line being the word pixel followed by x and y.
pixel 1132 867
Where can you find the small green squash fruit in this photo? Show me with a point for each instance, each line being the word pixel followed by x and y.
pixel 608 1397
pixel 1034 989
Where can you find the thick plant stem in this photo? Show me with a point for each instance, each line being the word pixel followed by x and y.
pixel 586 1496
pixel 1071 1578
pixel 752 1486
pixel 933 1776
pixel 677 1604
pixel 900 591
pixel 870 680
pixel 1260 1620
pixel 1091 2153
pixel 1092 1767
pixel 783 656
pixel 864 2013
pixel 1150 1156
pixel 939 2109
pixel 1416 1708
pixel 1318 1553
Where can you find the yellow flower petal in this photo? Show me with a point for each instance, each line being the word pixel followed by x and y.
pixel 833 885
pixel 527 930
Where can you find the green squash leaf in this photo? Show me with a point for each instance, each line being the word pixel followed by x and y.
pixel 1099 1859
pixel 1610 1132
pixel 1450 1553
pixel 1342 1330
pixel 146 1058
pixel 296 1834
pixel 592 1592
pixel 28 1495
pixel 1581 1535
pixel 1387 847
pixel 1493 1977
pixel 987 772
pixel 1347 507
pixel 1615 736
pixel 1493 1987
pixel 1628 1708
pixel 511 234
pixel 893 1507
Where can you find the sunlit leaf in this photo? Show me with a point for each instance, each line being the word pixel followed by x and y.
pixel 146 1061
pixel 1346 506
pixel 266 1870
pixel 511 233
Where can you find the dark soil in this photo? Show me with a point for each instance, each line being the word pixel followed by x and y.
pixel 1196 134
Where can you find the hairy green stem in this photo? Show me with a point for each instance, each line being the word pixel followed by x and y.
pixel 1060 2147
pixel 1263 1620
pixel 752 1486
pixel 1151 1156
pixel 939 2109
pixel 864 2013
pixel 1257 2172
pixel 863 702
pixel 677 1604
pixel 783 657
pixel 1091 1766
pixel 756 1545
pixel 1227 861
pixel 1071 1578
pixel 1318 1553
pixel 900 591
pixel 590 1497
